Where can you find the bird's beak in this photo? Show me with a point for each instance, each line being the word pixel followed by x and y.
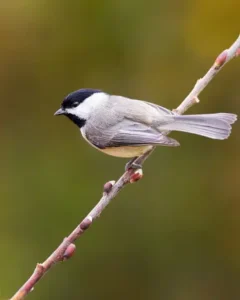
pixel 59 112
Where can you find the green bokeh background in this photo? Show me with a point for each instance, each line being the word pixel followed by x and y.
pixel 175 234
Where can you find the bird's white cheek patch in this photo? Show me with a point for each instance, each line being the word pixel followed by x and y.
pixel 79 112
pixel 84 109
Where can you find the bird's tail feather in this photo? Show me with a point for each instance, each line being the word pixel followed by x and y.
pixel 215 126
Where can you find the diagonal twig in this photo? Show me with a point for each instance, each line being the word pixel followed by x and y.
pixel 111 189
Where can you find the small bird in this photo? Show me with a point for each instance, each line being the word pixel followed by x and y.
pixel 125 127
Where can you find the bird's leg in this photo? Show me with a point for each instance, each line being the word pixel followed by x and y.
pixel 132 165
pixel 137 161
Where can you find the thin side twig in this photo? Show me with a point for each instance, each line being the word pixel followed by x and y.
pixel 111 189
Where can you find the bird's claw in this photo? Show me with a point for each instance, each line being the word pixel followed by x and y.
pixel 132 165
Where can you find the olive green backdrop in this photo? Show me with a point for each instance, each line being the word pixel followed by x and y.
pixel 175 234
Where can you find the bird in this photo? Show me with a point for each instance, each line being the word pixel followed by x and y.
pixel 128 128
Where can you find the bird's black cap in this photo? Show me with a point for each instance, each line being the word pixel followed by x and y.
pixel 77 97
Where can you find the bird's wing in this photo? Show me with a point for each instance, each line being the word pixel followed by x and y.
pixel 138 111
pixel 137 134
pixel 162 110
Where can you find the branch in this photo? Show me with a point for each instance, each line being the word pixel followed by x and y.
pixel 111 189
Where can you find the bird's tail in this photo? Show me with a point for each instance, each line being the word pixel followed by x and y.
pixel 214 126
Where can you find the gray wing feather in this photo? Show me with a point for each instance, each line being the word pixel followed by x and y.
pixel 136 134
pixel 162 110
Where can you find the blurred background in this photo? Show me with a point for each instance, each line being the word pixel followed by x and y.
pixel 175 234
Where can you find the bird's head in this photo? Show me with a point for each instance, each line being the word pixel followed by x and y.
pixel 78 105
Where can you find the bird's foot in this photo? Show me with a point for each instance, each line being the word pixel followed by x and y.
pixel 136 170
pixel 132 165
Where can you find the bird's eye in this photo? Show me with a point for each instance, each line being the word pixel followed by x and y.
pixel 75 104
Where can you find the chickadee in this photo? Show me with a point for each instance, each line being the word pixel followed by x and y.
pixel 125 127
